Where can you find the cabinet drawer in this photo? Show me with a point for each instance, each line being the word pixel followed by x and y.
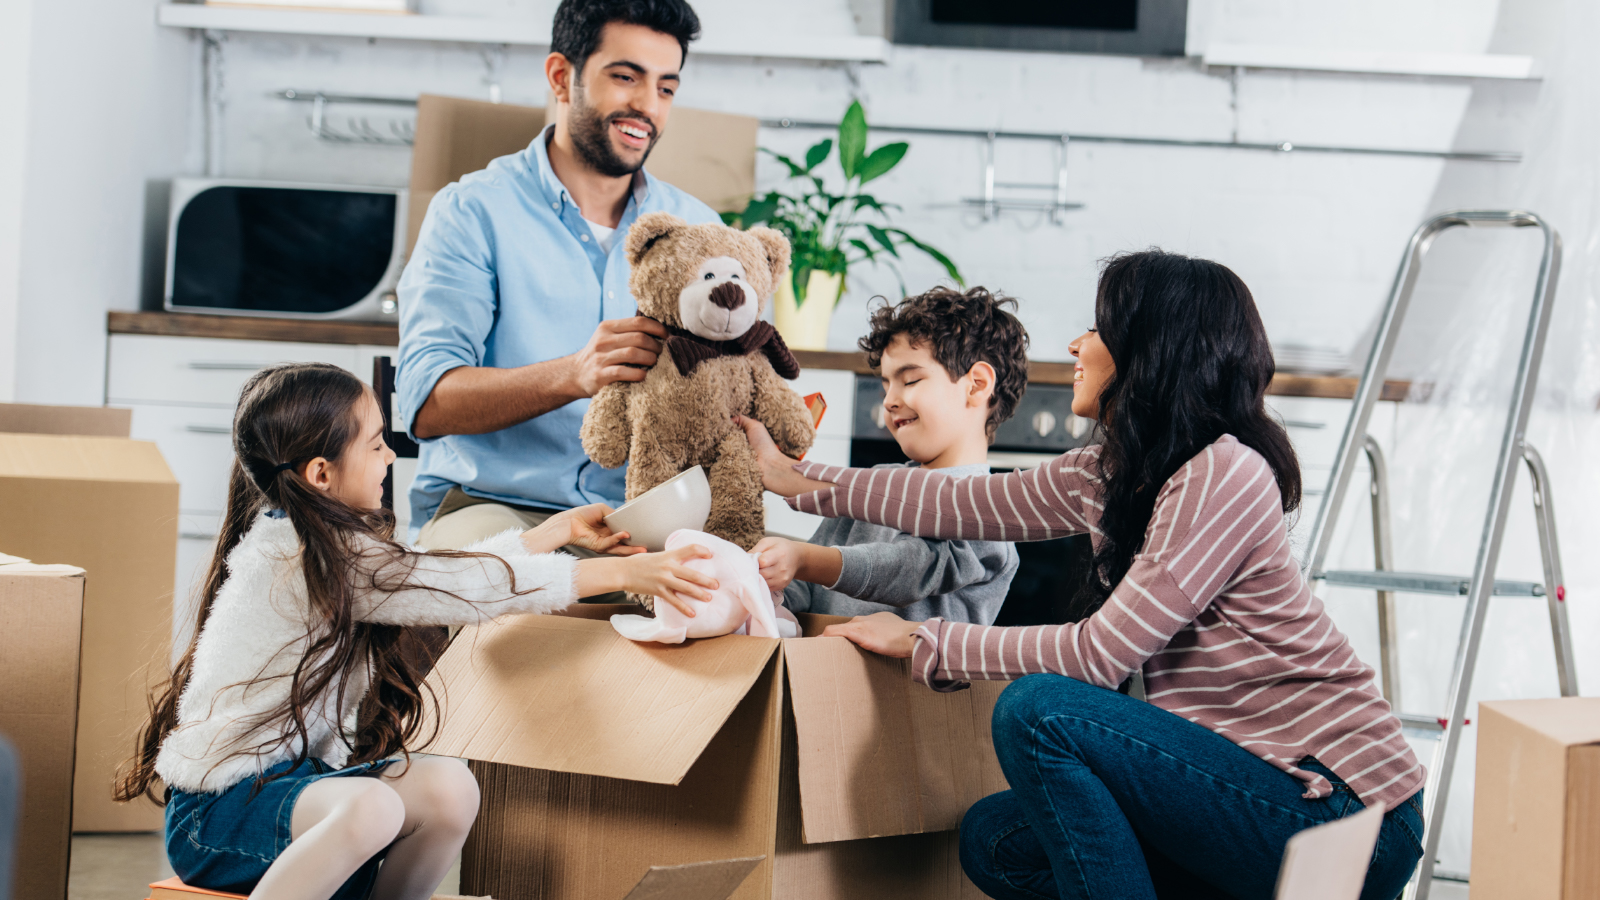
pixel 197 443
pixel 202 371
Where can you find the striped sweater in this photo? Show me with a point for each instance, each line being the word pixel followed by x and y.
pixel 1214 610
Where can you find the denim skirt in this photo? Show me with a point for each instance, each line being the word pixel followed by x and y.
pixel 226 841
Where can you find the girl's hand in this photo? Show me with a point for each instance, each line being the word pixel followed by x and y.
pixel 883 633
pixel 662 575
pixel 583 527
pixel 779 561
pixel 777 471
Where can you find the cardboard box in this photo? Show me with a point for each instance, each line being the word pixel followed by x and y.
pixel 41 618
pixel 110 506
pixel 598 756
pixel 1536 813
pixel 710 155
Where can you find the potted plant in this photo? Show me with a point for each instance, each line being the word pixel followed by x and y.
pixel 830 232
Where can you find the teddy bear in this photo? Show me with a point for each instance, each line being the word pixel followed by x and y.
pixel 706 284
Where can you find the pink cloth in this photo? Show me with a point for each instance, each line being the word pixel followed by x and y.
pixel 741 604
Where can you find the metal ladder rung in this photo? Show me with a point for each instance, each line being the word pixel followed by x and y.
pixel 1424 723
pixel 1423 583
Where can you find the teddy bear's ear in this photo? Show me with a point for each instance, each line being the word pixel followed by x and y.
pixel 776 246
pixel 650 227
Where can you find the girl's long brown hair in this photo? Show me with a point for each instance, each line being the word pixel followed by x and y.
pixel 289 415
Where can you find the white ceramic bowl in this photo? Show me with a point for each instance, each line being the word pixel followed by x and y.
pixel 682 501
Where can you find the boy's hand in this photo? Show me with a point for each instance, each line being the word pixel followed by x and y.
pixel 885 634
pixel 779 561
pixel 777 471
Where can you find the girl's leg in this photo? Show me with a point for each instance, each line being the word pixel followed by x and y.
pixel 1097 774
pixel 441 801
pixel 338 824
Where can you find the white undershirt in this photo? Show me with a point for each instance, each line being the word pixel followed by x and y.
pixel 603 236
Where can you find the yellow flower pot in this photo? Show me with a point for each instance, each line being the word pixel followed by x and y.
pixel 804 326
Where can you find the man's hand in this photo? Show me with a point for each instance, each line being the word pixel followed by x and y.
pixel 619 350
pixel 479 400
pixel 885 634
pixel 777 471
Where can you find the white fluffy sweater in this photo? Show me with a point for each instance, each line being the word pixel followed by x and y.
pixel 258 631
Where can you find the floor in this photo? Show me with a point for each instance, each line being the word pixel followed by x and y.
pixel 121 867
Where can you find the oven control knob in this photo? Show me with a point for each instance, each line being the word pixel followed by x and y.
pixel 1079 427
pixel 1044 422
pixel 879 418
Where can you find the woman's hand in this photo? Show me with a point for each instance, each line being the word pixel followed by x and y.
pixel 777 471
pixel 583 527
pixel 661 575
pixel 885 634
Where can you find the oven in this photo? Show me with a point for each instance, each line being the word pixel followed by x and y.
pixel 1050 572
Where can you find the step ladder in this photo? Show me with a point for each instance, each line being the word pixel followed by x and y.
pixel 1481 584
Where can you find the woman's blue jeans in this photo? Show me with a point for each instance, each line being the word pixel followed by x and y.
pixel 1114 799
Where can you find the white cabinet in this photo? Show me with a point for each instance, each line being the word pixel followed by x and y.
pixel 1315 425
pixel 201 371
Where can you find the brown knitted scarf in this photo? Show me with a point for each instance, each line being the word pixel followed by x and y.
pixel 690 349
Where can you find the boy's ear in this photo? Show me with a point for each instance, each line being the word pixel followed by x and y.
pixel 650 228
pixel 981 377
pixel 776 247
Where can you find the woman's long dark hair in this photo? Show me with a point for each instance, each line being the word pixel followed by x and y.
pixel 1192 364
pixel 289 415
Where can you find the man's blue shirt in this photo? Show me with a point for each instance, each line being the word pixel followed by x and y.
pixel 507 273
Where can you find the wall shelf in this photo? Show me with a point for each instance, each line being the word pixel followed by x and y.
pixel 517 32
pixel 1374 62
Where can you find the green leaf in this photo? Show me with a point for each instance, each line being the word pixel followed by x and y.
pixel 938 257
pixel 759 212
pixel 818 152
pixel 883 239
pixel 731 219
pixel 861 245
pixel 882 160
pixel 852 140
pixel 795 171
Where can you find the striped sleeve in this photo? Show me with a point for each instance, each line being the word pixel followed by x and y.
pixel 1056 499
pixel 1209 517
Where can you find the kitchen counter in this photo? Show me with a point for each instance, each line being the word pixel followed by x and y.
pixel 383 334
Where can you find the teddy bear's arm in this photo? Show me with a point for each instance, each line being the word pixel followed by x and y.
pixel 777 406
pixel 606 430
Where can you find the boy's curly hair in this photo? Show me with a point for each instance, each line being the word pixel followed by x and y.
pixel 960 329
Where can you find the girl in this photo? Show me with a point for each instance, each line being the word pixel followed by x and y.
pixel 1261 721
pixel 277 733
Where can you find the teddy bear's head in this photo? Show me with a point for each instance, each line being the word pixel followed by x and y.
pixel 707 279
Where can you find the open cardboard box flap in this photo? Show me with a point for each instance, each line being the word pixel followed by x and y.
pixel 569 694
pixel 878 755
pixel 78 458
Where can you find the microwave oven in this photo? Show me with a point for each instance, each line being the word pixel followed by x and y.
pixel 261 248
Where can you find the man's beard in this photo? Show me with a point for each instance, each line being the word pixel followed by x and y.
pixel 591 137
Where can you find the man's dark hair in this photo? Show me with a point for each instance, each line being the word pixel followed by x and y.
pixel 578 23
pixel 960 330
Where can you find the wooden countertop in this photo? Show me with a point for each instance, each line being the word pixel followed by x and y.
pixel 384 334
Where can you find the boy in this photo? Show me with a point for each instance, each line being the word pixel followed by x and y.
pixel 954 366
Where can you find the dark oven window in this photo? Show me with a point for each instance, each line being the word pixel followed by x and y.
pixel 1110 15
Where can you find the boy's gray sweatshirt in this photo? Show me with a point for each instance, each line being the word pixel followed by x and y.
pixel 914 578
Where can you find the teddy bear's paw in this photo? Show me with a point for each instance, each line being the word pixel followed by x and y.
pixel 645 600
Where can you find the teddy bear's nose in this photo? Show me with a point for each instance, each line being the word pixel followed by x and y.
pixel 728 295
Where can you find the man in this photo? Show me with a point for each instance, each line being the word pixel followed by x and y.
pixel 514 308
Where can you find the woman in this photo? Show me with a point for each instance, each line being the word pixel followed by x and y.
pixel 1260 720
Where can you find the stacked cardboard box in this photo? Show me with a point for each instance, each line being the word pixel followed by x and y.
pixel 598 756
pixel 76 490
pixel 1536 809
pixel 41 616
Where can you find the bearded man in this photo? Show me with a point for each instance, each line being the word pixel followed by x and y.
pixel 514 307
